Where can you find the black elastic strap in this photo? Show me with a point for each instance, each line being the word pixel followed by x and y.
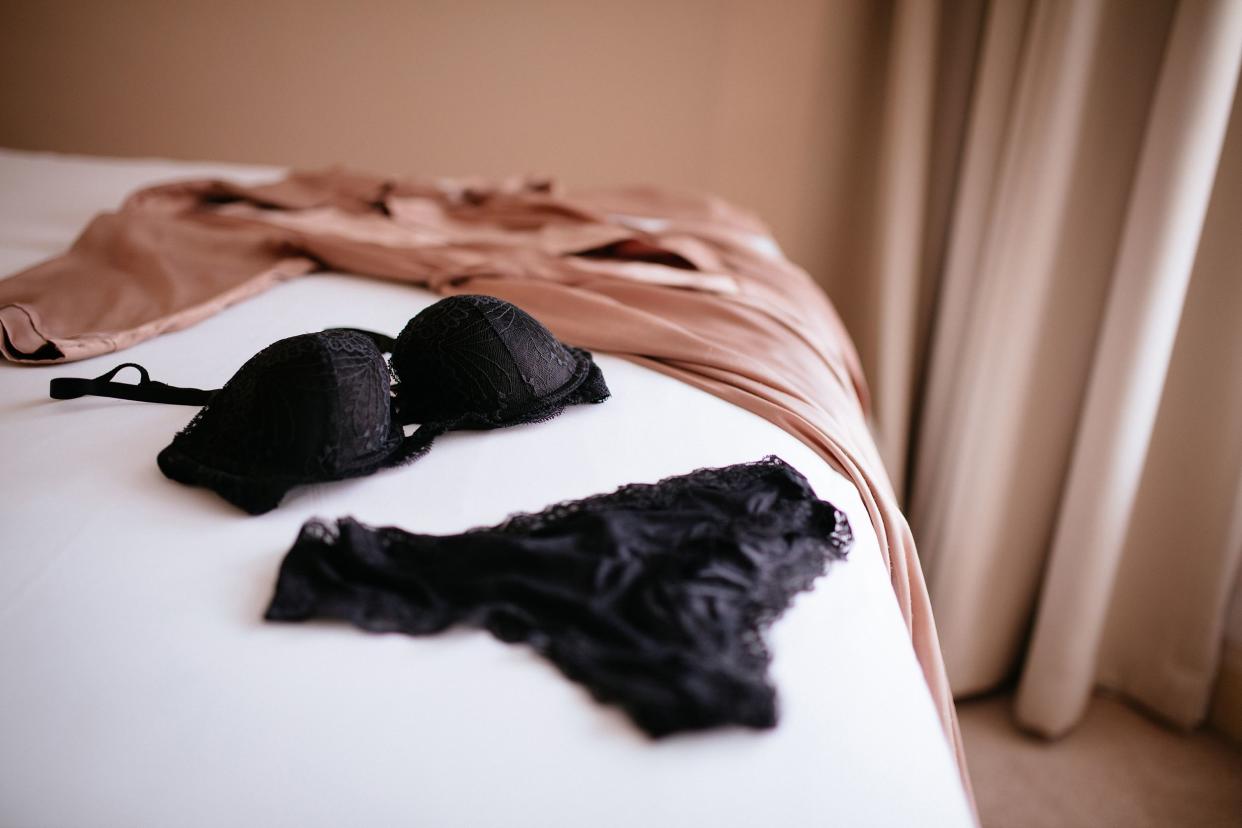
pixel 384 342
pixel 145 390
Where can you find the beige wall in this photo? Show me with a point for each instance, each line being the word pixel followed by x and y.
pixel 760 102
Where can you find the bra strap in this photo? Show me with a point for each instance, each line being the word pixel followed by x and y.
pixel 145 390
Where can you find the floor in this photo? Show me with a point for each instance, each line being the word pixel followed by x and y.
pixel 1117 768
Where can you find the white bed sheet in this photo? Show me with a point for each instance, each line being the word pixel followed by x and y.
pixel 141 687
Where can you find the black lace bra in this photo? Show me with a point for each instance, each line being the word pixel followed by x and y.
pixel 326 406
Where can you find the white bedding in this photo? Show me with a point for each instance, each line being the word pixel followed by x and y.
pixel 141 687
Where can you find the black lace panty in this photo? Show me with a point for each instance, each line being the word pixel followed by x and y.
pixel 654 596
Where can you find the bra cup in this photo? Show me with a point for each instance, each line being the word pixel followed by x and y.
pixel 481 362
pixel 314 407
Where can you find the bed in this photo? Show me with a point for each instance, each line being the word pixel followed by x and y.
pixel 141 686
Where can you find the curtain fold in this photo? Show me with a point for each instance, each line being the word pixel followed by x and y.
pixel 1049 327
pixel 902 181
pixel 1164 223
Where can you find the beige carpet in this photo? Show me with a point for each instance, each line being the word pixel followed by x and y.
pixel 1117 768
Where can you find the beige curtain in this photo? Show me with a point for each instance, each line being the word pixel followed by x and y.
pixel 1052 325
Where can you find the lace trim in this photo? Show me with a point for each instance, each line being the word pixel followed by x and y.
pixel 654 596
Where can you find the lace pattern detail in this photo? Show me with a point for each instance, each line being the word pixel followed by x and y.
pixel 309 408
pixel 326 406
pixel 480 362
pixel 655 596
